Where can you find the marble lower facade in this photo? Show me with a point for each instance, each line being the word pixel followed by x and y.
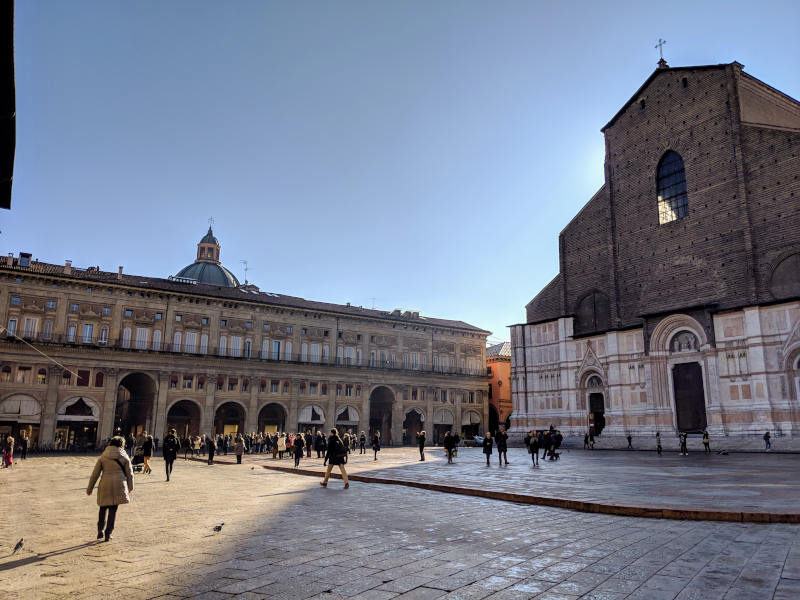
pixel 738 376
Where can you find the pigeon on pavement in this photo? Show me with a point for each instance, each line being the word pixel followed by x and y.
pixel 18 547
pixel 218 528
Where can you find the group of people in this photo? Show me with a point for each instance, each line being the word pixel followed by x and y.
pixel 548 442
pixel 9 444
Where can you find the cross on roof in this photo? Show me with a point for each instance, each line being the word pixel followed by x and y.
pixel 660 46
pixel 210 221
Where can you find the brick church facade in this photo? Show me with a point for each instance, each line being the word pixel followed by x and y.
pixel 677 302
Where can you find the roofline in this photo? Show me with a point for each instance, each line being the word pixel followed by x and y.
pixel 157 281
pixel 652 76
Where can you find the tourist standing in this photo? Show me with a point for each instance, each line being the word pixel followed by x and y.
pixel 684 449
pixel 23 444
pixel 362 441
pixel 376 443
pixel 658 442
pixel 147 452
pixel 421 444
pixel 211 446
pixel 706 442
pixel 767 443
pixel 319 443
pixel 115 466
pixel 532 442
pixel 586 441
pixel 630 442
pixel 170 449
pixel 238 449
pixel 8 452
pixel 487 446
pixel 501 439
pixel 281 445
pixel 335 455
pixel 309 443
pixel 298 449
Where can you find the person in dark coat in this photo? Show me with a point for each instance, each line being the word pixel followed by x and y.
pixel 501 439
pixel 319 444
pixel 147 452
pixel 376 444
pixel 447 443
pixel 488 442
pixel 211 446
pixel 335 455
pixel 298 449
pixel 362 443
pixel 309 443
pixel 532 443
pixel 170 449
pixel 421 444
pixel 682 436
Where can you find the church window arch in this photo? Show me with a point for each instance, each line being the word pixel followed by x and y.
pixel 593 313
pixel 673 203
pixel 784 282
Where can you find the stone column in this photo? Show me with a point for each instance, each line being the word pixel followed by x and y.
pixel 364 422
pixel 160 408
pixel 251 420
pixel 429 415
pixel 398 412
pixel 294 393
pixel 330 407
pixel 47 422
pixel 207 416
pixel 106 429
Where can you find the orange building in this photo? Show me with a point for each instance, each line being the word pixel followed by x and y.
pixel 498 366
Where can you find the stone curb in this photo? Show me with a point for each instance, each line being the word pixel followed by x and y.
pixel 591 507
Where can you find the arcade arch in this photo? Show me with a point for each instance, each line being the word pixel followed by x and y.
pixel 413 423
pixel 470 424
pixel 347 419
pixel 381 401
pixel 272 418
pixel 310 418
pixel 442 422
pixel 18 413
pixel 136 397
pixel 229 419
pixel 185 417
pixel 77 421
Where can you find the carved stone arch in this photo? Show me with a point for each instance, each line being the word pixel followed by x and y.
pixel 62 412
pixel 585 374
pixel 220 401
pixel 783 281
pixel 668 327
pixel 192 400
pixel 21 406
pixel 791 362
pixel 280 403
pixel 123 374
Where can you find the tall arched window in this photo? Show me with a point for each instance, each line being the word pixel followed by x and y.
pixel 673 204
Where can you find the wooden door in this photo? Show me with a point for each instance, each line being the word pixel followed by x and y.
pixel 690 403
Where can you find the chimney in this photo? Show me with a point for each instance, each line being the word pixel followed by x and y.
pixel 119 273
pixel 68 267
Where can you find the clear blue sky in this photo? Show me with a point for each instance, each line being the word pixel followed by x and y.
pixel 426 154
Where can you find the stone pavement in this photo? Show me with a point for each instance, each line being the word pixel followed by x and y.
pixel 753 487
pixel 285 536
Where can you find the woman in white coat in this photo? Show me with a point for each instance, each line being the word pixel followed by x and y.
pixel 115 465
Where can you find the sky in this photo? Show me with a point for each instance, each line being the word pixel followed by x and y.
pixel 409 154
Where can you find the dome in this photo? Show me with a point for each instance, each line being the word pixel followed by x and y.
pixel 209 274
pixel 209 238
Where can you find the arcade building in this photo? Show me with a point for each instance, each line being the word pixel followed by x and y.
pixel 84 352
pixel 677 302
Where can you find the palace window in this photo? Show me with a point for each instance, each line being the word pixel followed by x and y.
pixel 41 377
pixel 106 311
pixel 98 379
pixel 51 304
pixel 157 340
pixel 673 203
pixel 273 386
pixel 72 328
pixel 23 374
pixel 128 312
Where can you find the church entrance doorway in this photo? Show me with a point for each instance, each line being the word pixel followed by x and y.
pixel 412 425
pixel 135 400
pixel 494 419
pixel 380 413
pixel 597 410
pixel 272 418
pixel 184 417
pixel 229 419
pixel 690 403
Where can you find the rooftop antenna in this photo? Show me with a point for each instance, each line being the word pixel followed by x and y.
pixel 244 262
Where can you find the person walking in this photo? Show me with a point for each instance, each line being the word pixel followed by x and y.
pixel 309 443
pixel 501 440
pixel 281 445
pixel 591 440
pixel 362 443
pixel 335 455
pixel 421 444
pixel 767 442
pixel 532 443
pixel 238 449
pixel 658 442
pixel 684 449
pixel 298 449
pixel 147 452
pixel 319 443
pixel 346 442
pixel 586 441
pixel 115 467
pixel 487 446
pixel 376 443
pixel 170 449
pixel 706 442
pixel 211 446
pixel 630 442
